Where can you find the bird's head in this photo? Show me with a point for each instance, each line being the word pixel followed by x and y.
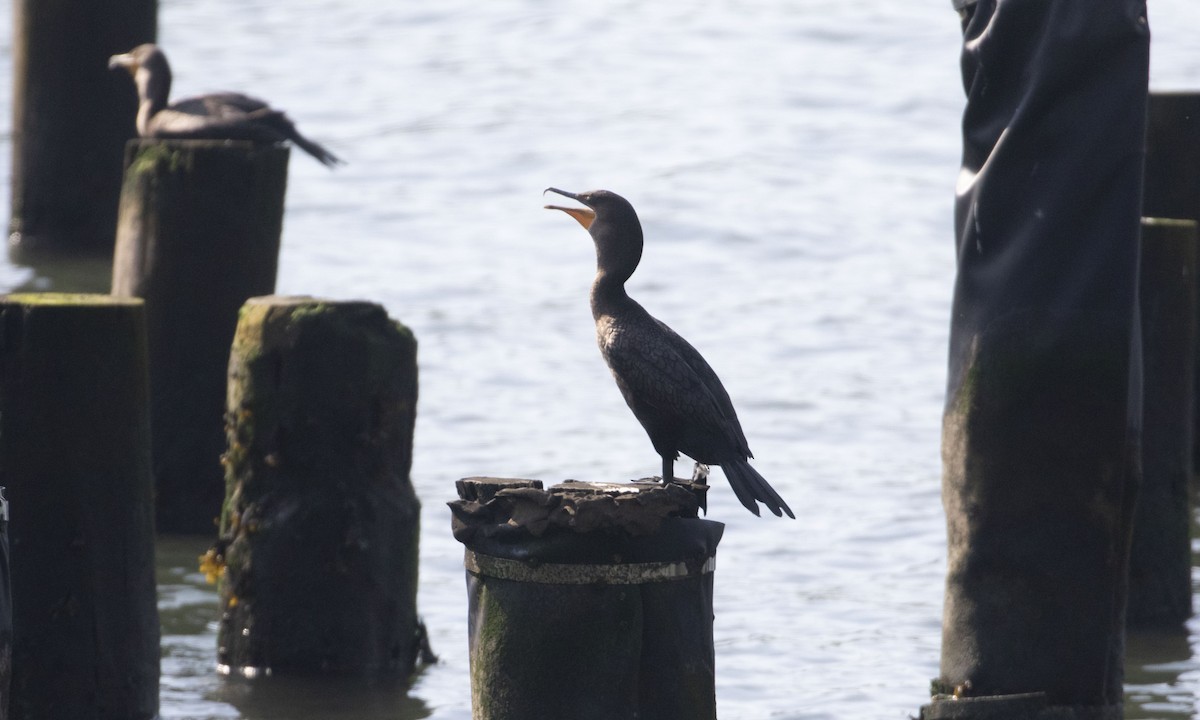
pixel 146 56
pixel 152 77
pixel 605 205
pixel 613 225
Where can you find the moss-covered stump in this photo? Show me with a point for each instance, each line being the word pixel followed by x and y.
pixel 200 222
pixel 71 118
pixel 320 526
pixel 75 453
pixel 1160 567
pixel 588 600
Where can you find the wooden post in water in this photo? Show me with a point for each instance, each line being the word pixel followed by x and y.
pixel 1160 562
pixel 75 454
pixel 71 118
pixel 200 224
pixel 6 620
pixel 1173 181
pixel 588 601
pixel 1041 428
pixel 319 532
pixel 1172 156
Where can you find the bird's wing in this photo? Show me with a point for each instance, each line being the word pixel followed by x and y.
pixel 232 116
pixel 172 124
pixel 221 105
pixel 708 377
pixel 653 368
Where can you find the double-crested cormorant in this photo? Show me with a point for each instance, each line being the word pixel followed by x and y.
pixel 672 391
pixel 217 116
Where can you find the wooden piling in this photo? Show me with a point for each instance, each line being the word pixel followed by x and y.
pixel 200 225
pixel 71 118
pixel 588 600
pixel 75 453
pixel 6 620
pixel 1160 567
pixel 1173 181
pixel 1042 420
pixel 319 532
pixel 1172 188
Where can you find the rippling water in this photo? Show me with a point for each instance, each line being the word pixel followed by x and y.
pixel 793 166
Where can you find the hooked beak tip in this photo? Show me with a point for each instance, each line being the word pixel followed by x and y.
pixel 564 193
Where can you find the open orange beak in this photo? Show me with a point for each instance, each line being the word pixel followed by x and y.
pixel 585 216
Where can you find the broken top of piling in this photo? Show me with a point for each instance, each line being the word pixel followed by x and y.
pixel 505 509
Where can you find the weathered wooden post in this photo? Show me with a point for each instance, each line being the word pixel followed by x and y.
pixel 75 454
pixel 6 626
pixel 71 117
pixel 1173 180
pixel 320 527
pixel 1172 156
pixel 1160 562
pixel 200 224
pixel 588 601
pixel 1042 420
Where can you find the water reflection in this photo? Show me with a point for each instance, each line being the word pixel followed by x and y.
pixel 60 273
pixel 1162 671
pixel 192 689
pixel 1160 674
pixel 318 699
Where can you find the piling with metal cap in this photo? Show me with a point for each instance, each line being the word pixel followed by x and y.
pixel 199 233
pixel 75 456
pixel 588 600
pixel 319 533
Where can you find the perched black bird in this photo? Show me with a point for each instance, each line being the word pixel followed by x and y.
pixel 217 116
pixel 672 391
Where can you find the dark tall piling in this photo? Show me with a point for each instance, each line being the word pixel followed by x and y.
pixel 200 224
pixel 588 601
pixel 1173 179
pixel 1042 421
pixel 75 455
pixel 320 527
pixel 6 620
pixel 71 118
pixel 1160 567
pixel 1172 156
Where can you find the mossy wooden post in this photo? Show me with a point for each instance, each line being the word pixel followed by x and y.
pixel 1041 427
pixel 1173 181
pixel 75 455
pixel 320 527
pixel 1160 567
pixel 200 224
pixel 588 601
pixel 71 118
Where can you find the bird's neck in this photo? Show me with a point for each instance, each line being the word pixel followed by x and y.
pixel 618 253
pixel 153 90
pixel 608 294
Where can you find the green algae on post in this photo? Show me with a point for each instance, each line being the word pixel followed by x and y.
pixel 319 530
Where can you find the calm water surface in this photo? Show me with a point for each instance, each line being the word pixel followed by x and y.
pixel 793 165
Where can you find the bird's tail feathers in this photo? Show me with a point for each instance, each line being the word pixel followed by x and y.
pixel 750 487
pixel 322 155
pixel 287 128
